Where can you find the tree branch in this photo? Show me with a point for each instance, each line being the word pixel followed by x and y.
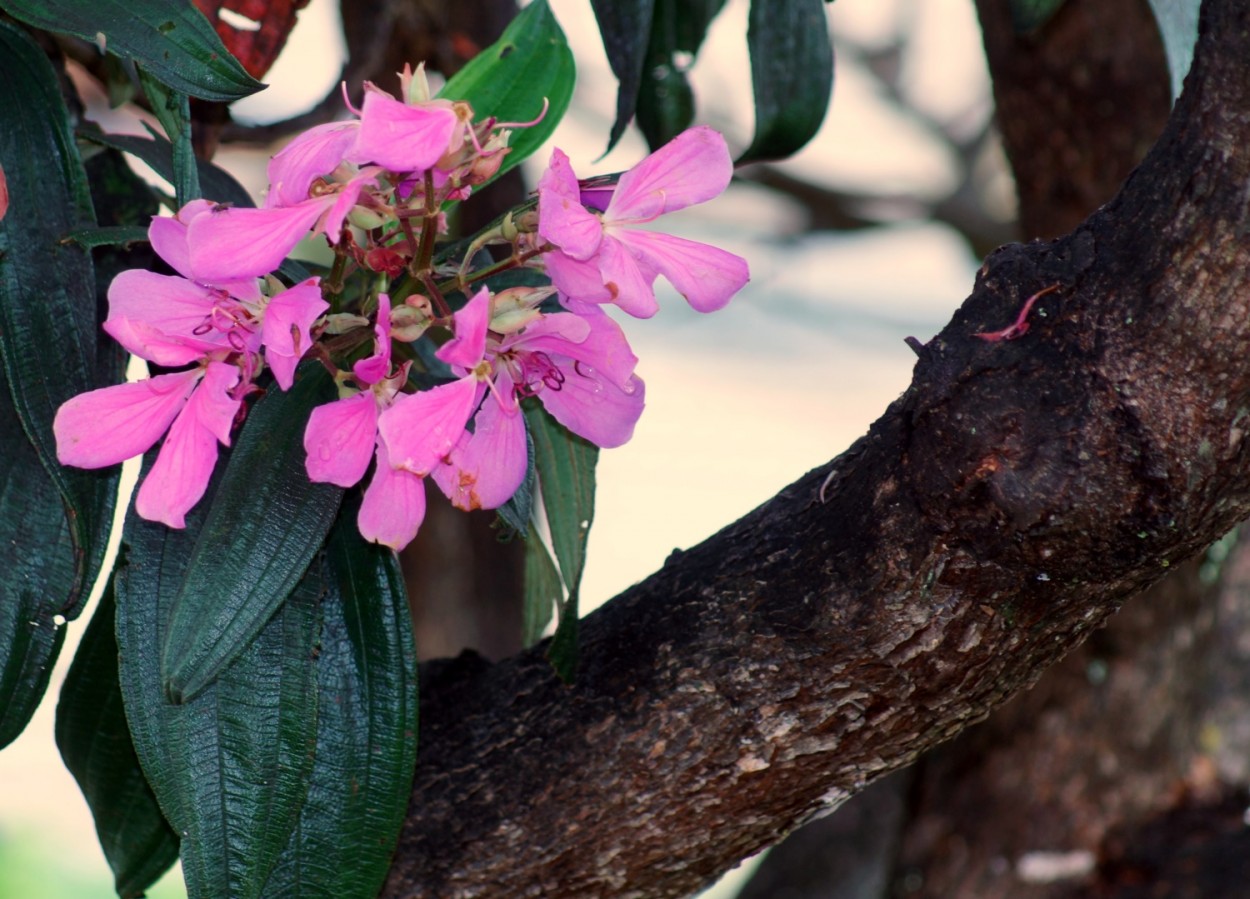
pixel 997 513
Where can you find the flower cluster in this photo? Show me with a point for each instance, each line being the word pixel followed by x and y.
pixel 376 188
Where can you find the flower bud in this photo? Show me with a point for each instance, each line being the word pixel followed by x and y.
pixel 366 219
pixel 516 307
pixel 410 321
pixel 342 322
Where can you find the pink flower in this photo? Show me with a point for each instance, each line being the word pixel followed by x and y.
pixel 601 258
pixel 172 320
pixel 578 365
pixel 227 243
pixel 341 437
pixel 285 331
pixel 581 368
pixel 317 180
pixel 109 425
pixel 421 428
pixel 403 137
pixel 485 468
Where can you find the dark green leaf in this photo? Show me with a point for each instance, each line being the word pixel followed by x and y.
pixel 665 100
pixel 626 29
pixel 48 313
pixel 173 111
pixel 367 728
pixel 693 18
pixel 650 46
pixel 1026 15
pixel 230 767
pixel 113 236
pixel 266 522
pixel 791 74
pixel 126 204
pixel 171 37
pixel 94 740
pixel 217 184
pixel 510 79
pixel 38 575
pixel 543 591
pixel 566 477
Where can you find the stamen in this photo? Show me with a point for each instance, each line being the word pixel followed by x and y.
pixel 542 115
pixel 346 99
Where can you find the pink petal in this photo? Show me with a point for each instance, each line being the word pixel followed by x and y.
pixel 109 425
pixel 561 217
pixel 706 276
pixel 179 477
pixel 593 408
pixel 288 317
pixel 393 505
pixel 468 346
pixel 169 240
pixel 421 428
pixel 575 279
pixel 629 280
pixel 378 366
pixel 163 318
pixel 316 152
pixel 214 408
pixel 400 137
pixel 486 467
pixel 600 347
pixel 339 439
pixel 345 200
pixel 169 236
pixel 239 243
pixel 693 167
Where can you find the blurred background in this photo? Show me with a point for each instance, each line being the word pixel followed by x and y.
pixel 871 234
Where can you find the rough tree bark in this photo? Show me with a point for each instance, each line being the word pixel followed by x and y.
pixel 996 514
pixel 1023 804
